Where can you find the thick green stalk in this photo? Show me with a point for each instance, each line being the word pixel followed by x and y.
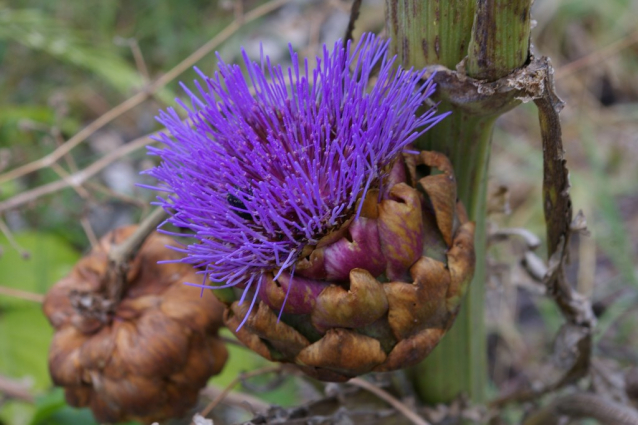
pixel 500 38
pixel 428 32
pixel 459 363
pixel 484 33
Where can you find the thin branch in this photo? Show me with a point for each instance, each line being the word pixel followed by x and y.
pixel 64 175
pixel 597 56
pixel 245 401
pixel 82 176
pixel 75 140
pixel 521 396
pixel 4 229
pixel 239 11
pixel 77 178
pixel 125 251
pixel 241 377
pixel 120 255
pixel 98 187
pixel 23 295
pixel 390 399
pixel 90 233
pixel 139 59
pixel 15 390
pixel 59 141
pixel 140 97
pixel 584 406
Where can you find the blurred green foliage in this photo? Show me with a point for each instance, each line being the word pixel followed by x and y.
pixel 64 63
pixel 25 333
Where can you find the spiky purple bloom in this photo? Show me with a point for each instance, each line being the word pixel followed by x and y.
pixel 272 166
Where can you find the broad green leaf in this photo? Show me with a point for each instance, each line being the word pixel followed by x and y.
pixel 15 412
pixel 24 330
pixel 34 29
pixel 25 335
pixel 50 259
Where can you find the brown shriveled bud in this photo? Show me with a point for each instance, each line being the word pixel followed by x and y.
pixel 145 357
pixel 378 293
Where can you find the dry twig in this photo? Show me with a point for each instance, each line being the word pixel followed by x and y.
pixel 121 255
pixel 4 229
pixel 244 401
pixel 15 390
pixel 584 406
pixel 241 377
pixel 23 295
pixel 597 56
pixel 76 178
pixel 140 63
pixel 89 232
pixel 390 399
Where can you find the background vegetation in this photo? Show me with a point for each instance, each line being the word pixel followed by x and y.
pixel 66 63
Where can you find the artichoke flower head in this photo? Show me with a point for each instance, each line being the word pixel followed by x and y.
pixel 302 193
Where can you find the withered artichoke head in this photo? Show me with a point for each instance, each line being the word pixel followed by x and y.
pixel 145 358
pixel 340 250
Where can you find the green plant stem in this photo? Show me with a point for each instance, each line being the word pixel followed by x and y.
pixel 500 38
pixel 459 363
pixel 447 32
pixel 428 32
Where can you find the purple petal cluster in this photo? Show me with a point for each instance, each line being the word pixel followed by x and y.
pixel 271 162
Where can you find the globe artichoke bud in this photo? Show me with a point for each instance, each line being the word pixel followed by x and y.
pixel 335 246
pixel 145 357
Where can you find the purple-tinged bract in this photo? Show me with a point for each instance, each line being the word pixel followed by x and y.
pixel 274 162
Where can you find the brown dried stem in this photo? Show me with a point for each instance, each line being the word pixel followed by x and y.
pixel 128 199
pixel 15 390
pixel 241 377
pixel 245 401
pixel 89 232
pixel 558 207
pixel 390 399
pixel 23 295
pixel 140 63
pixel 4 229
pixel 239 11
pixel 559 218
pixel 121 255
pixel 584 406
pixel 76 178
pixel 64 175
pixel 140 97
pixel 101 305
pixel 598 56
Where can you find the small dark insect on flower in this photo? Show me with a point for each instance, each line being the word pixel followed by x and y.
pixel 235 202
pixel 274 162
pixel 238 206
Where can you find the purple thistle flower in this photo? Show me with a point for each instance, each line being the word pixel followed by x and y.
pixel 269 167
